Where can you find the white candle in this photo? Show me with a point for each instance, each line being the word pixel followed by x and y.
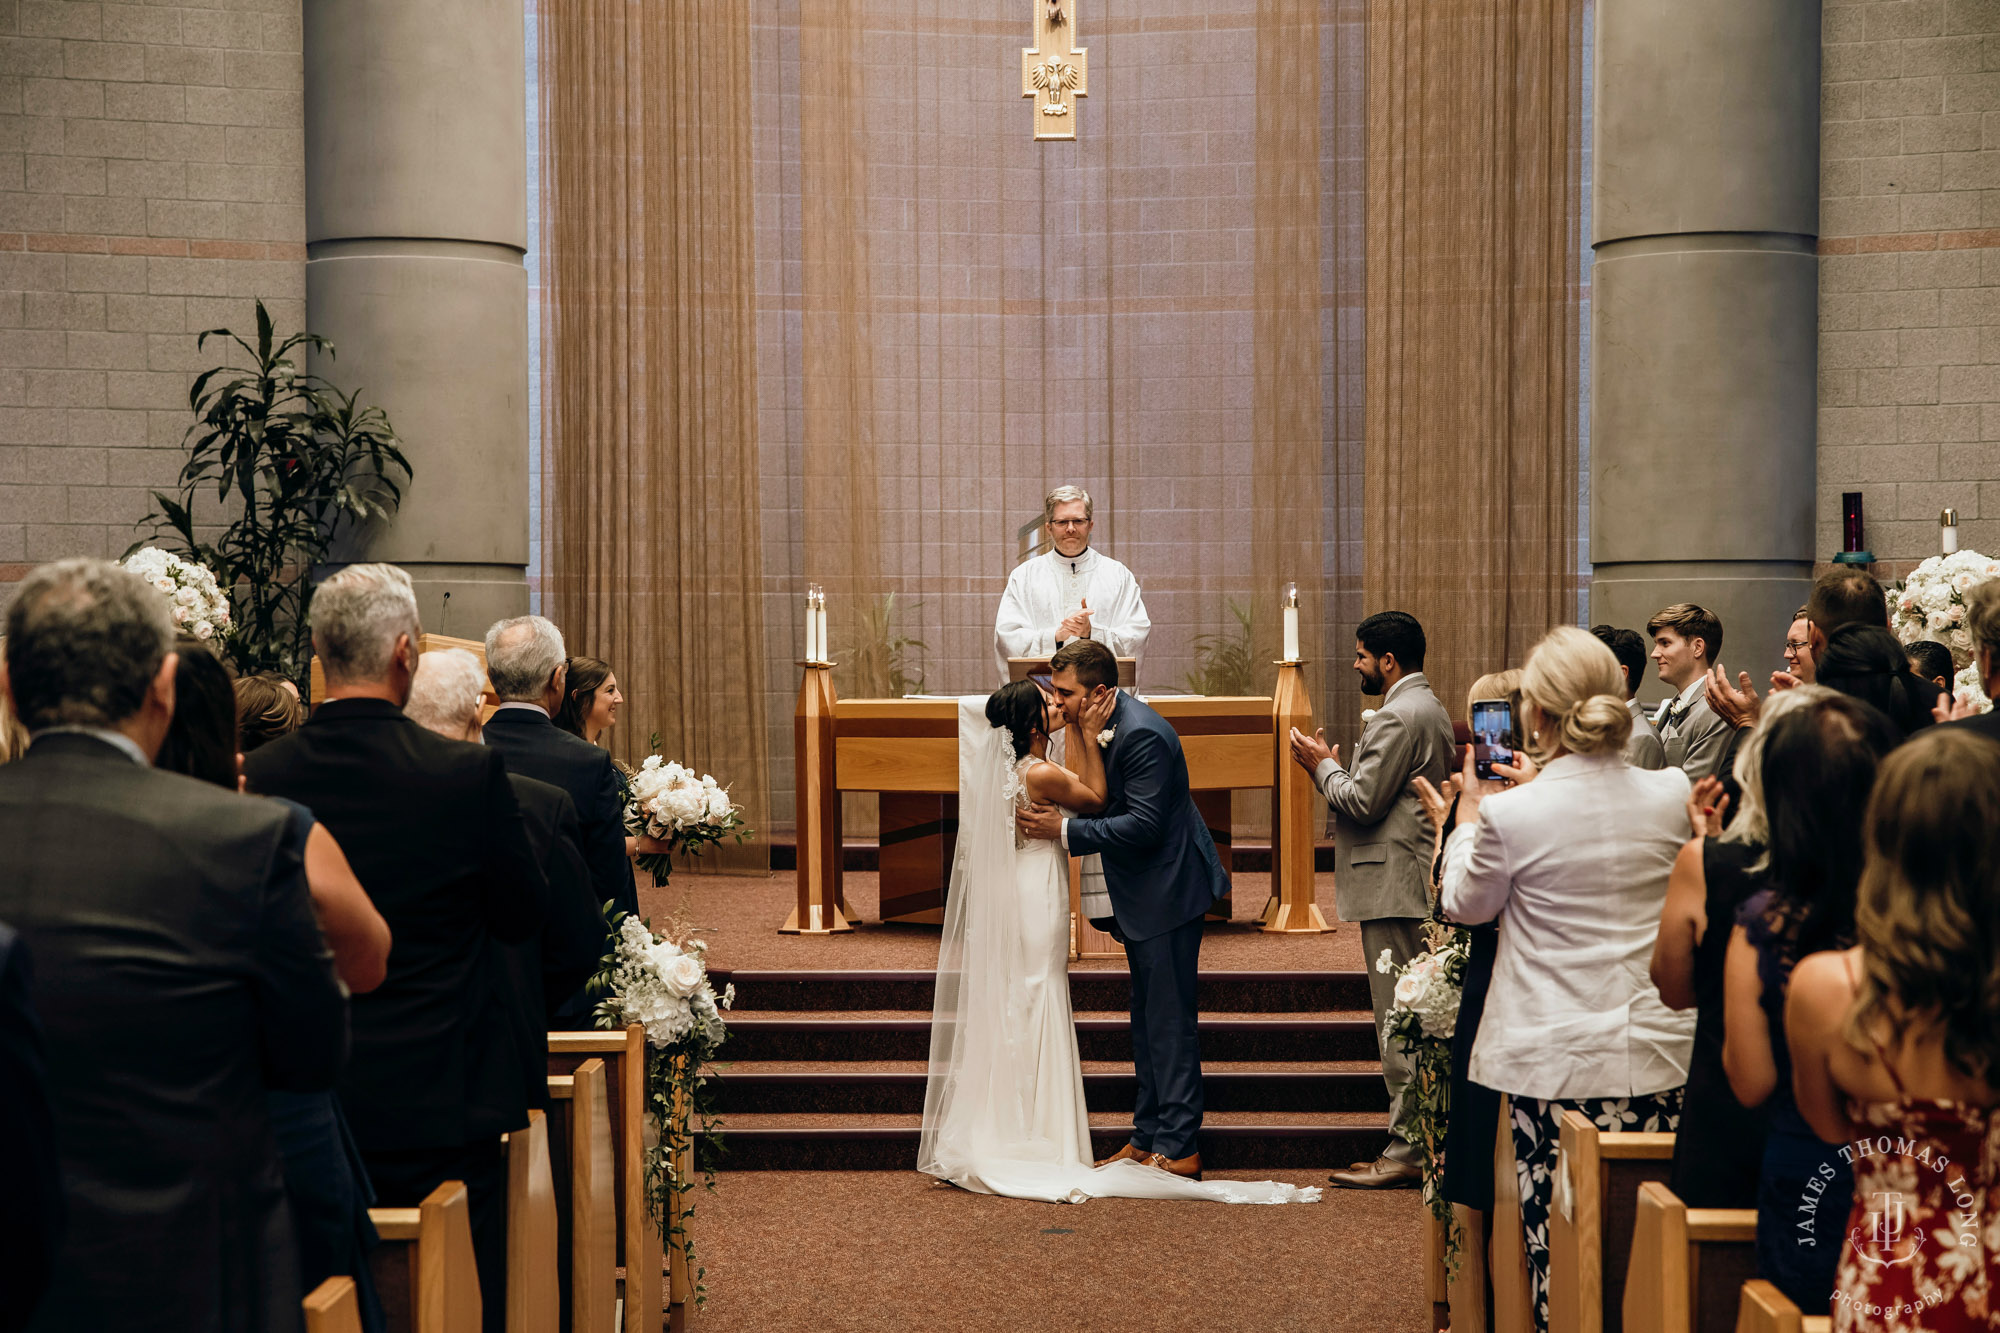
pixel 812 629
pixel 1291 634
pixel 819 614
pixel 1948 522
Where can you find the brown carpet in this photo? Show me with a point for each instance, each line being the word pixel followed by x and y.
pixel 883 1251
pixel 739 916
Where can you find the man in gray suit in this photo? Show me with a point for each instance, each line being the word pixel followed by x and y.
pixel 1687 639
pixel 1644 750
pixel 1383 846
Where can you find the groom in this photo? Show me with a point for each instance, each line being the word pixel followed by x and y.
pixel 1162 873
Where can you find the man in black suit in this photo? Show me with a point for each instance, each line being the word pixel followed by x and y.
pixel 435 835
pixel 179 972
pixel 528 665
pixel 1982 621
pixel 546 970
pixel 31 1226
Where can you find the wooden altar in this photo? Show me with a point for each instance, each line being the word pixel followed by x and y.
pixel 906 751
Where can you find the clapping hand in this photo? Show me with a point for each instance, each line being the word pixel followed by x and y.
pixel 1077 624
pixel 1312 751
pixel 1950 707
pixel 1784 680
pixel 1739 706
pixel 1707 807
pixel 1437 804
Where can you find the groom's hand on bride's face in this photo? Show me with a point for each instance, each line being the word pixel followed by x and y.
pixel 1040 820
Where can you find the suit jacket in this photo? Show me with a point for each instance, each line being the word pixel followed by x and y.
pixel 179 971
pixel 1645 750
pixel 552 967
pixel 537 748
pixel 31 1225
pixel 1986 724
pixel 1381 840
pixel 436 837
pixel 1160 864
pixel 1694 739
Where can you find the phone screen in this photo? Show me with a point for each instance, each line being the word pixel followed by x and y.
pixel 1492 735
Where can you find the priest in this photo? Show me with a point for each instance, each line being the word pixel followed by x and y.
pixel 1069 592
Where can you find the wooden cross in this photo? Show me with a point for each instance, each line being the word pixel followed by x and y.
pixel 1055 70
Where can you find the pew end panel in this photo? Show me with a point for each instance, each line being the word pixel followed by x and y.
pixel 1591 1217
pixel 533 1293
pixel 1762 1308
pixel 333 1307
pixel 424 1268
pixel 640 1250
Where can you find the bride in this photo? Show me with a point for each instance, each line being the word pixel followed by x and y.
pixel 1003 1108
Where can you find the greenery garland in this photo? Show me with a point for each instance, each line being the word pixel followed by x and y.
pixel 1421 1022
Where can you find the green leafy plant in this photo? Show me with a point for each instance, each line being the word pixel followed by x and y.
pixel 881 662
pixel 1224 664
pixel 293 463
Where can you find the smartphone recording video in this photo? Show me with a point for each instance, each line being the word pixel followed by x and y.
pixel 1492 735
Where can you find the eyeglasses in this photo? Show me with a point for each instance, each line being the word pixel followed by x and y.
pixel 1069 522
pixel 1796 645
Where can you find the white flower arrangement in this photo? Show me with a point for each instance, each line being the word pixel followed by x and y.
pixel 194 598
pixel 1422 1020
pixel 1930 603
pixel 662 985
pixel 1428 988
pixel 1966 685
pixel 1105 737
pixel 672 804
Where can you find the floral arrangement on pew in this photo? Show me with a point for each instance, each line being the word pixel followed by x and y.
pixel 1930 604
pixel 1422 1020
pixel 193 596
pixel 661 983
pixel 670 804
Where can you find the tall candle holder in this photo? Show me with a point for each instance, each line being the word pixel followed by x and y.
pixel 1948 532
pixel 1291 656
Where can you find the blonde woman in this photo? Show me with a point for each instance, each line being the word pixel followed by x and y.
pixel 1572 859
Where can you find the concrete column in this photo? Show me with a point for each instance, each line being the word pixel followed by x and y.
pixel 1704 314
pixel 416 229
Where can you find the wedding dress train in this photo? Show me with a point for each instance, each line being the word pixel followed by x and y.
pixel 1003 1108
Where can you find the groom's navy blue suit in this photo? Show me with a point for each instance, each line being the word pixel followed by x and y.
pixel 1162 873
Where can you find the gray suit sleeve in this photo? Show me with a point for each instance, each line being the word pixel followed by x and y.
pixel 1704 750
pixel 1368 791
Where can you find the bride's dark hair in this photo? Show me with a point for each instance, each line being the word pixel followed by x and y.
pixel 1021 709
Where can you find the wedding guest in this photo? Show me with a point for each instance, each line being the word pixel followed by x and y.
pixel 1819 764
pixel 1932 662
pixel 1572 861
pixel 31 1225
pixel 591 699
pixel 1897 1042
pixel 1867 662
pixel 1645 749
pixel 265 710
pixel 547 970
pixel 1720 1144
pixel 1982 622
pixel 1382 846
pixel 525 661
pixel 1738 705
pixel 325 1181
pixel 177 974
pixel 1686 641
pixel 1844 596
pixel 1798 653
pixel 437 839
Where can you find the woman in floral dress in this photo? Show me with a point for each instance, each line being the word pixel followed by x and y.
pixel 1896 1048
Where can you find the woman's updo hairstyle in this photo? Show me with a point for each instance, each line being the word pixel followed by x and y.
pixel 1020 709
pixel 1575 683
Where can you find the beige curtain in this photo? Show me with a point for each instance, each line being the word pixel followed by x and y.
pixel 1474 152
pixel 652 551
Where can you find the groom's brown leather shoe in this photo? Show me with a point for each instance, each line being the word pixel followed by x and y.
pixel 1380 1174
pixel 1127 1153
pixel 1188 1167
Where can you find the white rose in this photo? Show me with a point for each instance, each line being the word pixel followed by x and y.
pixel 1960 640
pixel 653 761
pixel 1939 621
pixel 203 630
pixel 164 584
pixel 1935 597
pixel 719 806
pixel 682 976
pixel 684 805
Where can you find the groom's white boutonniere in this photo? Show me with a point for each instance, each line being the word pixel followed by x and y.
pixel 1104 737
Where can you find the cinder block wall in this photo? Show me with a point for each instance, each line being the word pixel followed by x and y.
pixel 151 186
pixel 1909 391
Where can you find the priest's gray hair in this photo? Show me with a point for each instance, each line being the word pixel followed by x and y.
pixel 522 656
pixel 84 640
pixel 1063 495
pixel 356 616
pixel 445 695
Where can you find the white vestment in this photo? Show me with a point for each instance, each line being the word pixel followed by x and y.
pixel 1047 590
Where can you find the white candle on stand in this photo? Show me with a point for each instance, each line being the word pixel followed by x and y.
pixel 812 629
pixel 819 613
pixel 1948 521
pixel 1291 622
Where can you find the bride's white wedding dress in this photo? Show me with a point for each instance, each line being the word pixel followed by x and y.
pixel 1003 1109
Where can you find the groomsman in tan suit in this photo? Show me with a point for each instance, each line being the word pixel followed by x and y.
pixel 1382 845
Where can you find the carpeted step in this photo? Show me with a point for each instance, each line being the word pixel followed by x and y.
pixel 898 1088
pixel 767 1036
pixel 1236 1142
pixel 1089 988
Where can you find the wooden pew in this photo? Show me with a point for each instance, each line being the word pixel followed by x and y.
pixel 639 1247
pixel 332 1307
pixel 1688 1264
pixel 1765 1309
pixel 1591 1217
pixel 580 1127
pixel 533 1304
pixel 424 1267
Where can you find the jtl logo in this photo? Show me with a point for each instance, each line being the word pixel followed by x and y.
pixel 1885 1243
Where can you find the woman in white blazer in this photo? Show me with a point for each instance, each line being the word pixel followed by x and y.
pixel 1572 858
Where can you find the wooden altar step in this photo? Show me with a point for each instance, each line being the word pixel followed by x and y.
pixel 897 1087
pixel 1108 990
pixel 894 1035
pixel 1230 1141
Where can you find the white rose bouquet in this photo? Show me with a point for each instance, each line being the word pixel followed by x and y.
pixel 1967 685
pixel 675 806
pixel 661 982
pixel 194 599
pixel 1930 603
pixel 1422 1021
